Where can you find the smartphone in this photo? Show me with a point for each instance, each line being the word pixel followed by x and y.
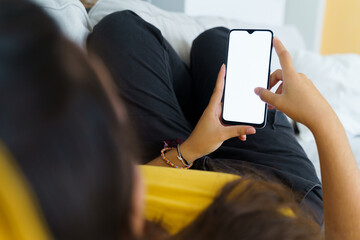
pixel 247 67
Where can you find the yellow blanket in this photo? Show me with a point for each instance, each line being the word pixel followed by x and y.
pixel 20 217
pixel 175 197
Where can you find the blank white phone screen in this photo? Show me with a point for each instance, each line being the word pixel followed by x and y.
pixel 247 68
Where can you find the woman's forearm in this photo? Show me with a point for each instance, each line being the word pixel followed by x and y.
pixel 171 155
pixel 341 180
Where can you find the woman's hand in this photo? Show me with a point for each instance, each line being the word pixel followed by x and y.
pixel 296 96
pixel 210 132
pixel 340 176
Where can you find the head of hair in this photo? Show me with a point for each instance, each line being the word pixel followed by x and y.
pixel 253 208
pixel 59 125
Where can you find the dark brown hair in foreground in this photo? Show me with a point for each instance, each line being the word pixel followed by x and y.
pixel 58 123
pixel 252 208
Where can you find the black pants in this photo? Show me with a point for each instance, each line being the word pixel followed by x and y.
pixel 165 99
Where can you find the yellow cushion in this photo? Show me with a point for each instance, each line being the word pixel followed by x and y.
pixel 19 215
pixel 175 197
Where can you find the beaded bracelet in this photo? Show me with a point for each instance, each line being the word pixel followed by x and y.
pixel 169 162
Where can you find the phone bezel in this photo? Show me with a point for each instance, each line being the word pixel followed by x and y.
pixel 263 124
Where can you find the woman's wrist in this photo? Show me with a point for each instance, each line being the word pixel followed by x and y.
pixel 188 152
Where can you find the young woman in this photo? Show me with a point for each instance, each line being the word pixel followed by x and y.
pixel 171 102
pixel 75 150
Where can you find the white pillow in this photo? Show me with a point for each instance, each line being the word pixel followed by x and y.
pixel 71 17
pixel 180 29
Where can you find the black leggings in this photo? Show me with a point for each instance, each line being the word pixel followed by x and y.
pixel 165 99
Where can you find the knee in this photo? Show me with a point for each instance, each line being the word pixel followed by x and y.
pixel 123 29
pixel 211 44
pixel 117 19
pixel 214 32
pixel 212 40
pixel 210 36
pixel 117 22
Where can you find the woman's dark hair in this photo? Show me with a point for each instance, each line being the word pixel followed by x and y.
pixel 252 208
pixel 60 126
pixel 248 208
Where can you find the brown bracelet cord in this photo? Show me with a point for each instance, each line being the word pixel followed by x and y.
pixel 180 157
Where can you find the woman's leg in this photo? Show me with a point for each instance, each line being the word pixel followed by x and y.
pixel 150 77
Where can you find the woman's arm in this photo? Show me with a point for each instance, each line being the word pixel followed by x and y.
pixel 341 181
pixel 299 99
pixel 209 132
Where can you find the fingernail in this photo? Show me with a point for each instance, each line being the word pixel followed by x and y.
pixel 257 90
pixel 251 131
pixel 276 38
pixel 244 138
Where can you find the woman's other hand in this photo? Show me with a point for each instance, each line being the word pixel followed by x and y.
pixel 296 96
pixel 210 132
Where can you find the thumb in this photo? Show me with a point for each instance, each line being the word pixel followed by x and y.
pixel 266 95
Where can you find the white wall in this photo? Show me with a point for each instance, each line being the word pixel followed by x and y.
pixel 268 12
pixel 169 5
pixel 308 17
